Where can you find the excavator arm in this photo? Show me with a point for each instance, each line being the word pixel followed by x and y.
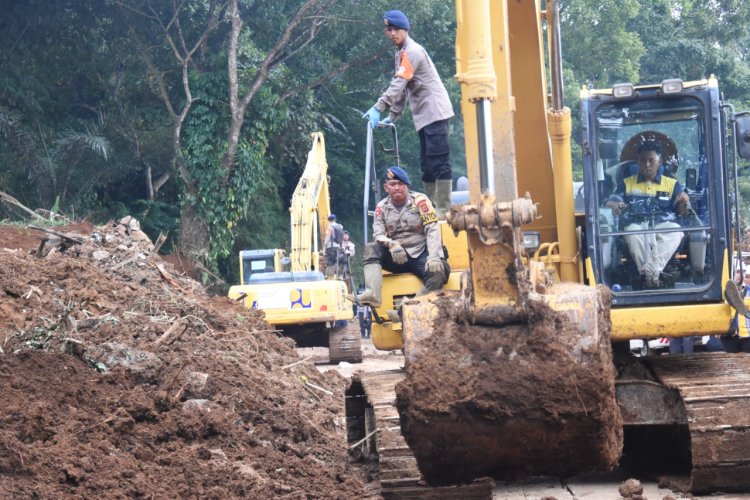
pixel 513 374
pixel 309 209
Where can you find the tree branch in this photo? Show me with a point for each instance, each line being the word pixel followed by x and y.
pixel 185 59
pixel 298 44
pixel 273 54
pixel 327 77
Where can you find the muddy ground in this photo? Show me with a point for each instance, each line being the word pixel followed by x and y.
pixel 120 377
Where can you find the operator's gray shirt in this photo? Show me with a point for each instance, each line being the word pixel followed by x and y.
pixel 417 80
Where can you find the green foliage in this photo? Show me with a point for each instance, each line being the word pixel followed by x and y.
pixel 83 85
pixel 597 44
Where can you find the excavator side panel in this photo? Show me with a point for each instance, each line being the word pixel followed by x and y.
pixel 296 302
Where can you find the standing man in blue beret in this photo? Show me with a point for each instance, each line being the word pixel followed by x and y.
pixel 417 81
pixel 406 240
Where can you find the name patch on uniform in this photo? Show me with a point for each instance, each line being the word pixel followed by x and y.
pixel 426 214
pixel 428 218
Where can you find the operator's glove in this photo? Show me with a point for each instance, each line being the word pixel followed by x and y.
pixel 387 121
pixel 433 265
pixel 398 254
pixel 373 115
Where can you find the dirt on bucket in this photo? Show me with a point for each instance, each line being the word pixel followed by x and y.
pixel 527 398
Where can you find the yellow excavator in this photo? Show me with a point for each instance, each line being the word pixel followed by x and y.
pixel 521 365
pixel 292 291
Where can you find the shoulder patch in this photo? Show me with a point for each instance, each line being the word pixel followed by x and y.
pixel 424 205
pixel 378 211
pixel 405 69
pixel 427 214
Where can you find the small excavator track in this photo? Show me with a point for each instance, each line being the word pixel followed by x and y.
pixel 715 389
pixel 374 429
pixel 344 344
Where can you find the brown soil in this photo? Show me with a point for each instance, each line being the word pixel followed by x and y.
pixel 533 398
pixel 120 379
pixel 183 265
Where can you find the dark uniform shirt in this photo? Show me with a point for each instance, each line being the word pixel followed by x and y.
pixel 656 198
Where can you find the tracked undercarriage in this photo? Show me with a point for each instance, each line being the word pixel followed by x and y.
pixel 704 399
pixel 343 342
pixel 374 432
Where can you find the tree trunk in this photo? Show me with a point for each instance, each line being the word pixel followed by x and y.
pixel 193 241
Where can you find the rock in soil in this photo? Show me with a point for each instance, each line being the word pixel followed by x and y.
pixel 631 488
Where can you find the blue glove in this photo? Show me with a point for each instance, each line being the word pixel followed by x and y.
pixel 373 115
pixel 387 121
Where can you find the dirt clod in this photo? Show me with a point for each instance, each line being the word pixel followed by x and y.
pixel 631 488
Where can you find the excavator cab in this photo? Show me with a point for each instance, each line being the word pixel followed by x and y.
pixel 692 150
pixel 255 262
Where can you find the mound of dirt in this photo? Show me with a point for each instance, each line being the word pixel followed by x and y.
pixel 122 378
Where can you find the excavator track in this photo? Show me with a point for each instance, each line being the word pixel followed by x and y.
pixel 715 389
pixel 374 430
pixel 344 344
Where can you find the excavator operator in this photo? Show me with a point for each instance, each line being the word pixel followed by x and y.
pixel 406 240
pixel 650 199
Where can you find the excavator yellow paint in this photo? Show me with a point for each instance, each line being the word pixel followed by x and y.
pixel 500 301
pixel 670 321
pixel 300 295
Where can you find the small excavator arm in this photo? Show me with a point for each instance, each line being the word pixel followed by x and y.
pixel 309 209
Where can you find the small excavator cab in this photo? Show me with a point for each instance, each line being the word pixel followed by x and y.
pixel 254 262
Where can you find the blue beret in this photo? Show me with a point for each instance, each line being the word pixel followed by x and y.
pixel 397 19
pixel 397 173
pixel 332 217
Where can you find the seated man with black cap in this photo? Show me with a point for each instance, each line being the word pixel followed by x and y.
pixel 652 201
pixel 406 240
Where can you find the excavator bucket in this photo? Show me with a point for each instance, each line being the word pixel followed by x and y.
pixel 506 401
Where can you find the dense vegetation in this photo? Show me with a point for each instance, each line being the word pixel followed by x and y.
pixel 195 115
